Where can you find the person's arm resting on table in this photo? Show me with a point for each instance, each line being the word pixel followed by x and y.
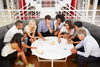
pixel 26 46
pixel 74 49
pixel 74 42
pixel 72 37
pixel 41 36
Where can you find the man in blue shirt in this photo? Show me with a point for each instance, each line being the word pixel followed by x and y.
pixel 91 48
pixel 45 27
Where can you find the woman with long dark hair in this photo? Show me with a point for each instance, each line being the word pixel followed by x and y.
pixel 67 30
pixel 15 49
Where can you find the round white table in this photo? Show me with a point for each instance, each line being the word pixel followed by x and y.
pixel 51 49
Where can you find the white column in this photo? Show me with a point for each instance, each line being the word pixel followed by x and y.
pixel 17 4
pixel 2 15
pixel 95 2
pixel 12 4
pixel 57 6
pixel 38 6
pixel 1 4
pixel 1 7
pixel 87 9
pixel 7 1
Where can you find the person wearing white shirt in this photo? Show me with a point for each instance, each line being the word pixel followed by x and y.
pixel 58 23
pixel 17 28
pixel 67 29
pixel 91 48
pixel 11 32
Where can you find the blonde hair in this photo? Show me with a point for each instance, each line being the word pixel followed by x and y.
pixel 32 21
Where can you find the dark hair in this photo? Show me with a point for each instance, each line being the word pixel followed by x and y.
pixel 60 16
pixel 78 24
pixel 17 39
pixel 18 22
pixel 71 26
pixel 48 17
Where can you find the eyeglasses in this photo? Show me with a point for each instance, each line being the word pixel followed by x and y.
pixel 66 25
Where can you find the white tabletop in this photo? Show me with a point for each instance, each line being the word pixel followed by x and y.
pixel 51 49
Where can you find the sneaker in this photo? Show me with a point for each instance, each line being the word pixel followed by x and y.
pixel 19 63
pixel 30 65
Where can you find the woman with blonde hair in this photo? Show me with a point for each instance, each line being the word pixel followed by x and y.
pixel 30 31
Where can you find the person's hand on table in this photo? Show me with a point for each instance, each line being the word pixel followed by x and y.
pixel 74 50
pixel 33 47
pixel 43 38
pixel 59 40
pixel 69 41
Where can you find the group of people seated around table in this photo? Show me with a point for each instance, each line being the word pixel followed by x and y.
pixel 85 47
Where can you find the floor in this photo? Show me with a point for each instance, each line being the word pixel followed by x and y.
pixel 33 59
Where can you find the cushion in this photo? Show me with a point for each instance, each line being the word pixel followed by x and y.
pixel 3 31
pixel 93 64
pixel 10 25
pixel 38 20
pixel 5 63
pixel 93 29
pixel 1 45
pixel 53 19
pixel 25 22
